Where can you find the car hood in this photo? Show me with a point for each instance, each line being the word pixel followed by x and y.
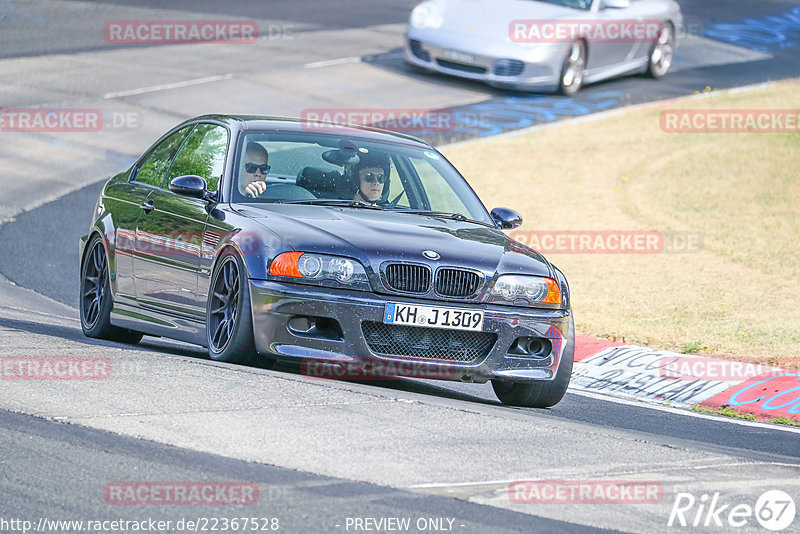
pixel 374 237
pixel 480 19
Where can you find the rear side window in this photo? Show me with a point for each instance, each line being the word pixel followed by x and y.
pixel 203 154
pixel 155 165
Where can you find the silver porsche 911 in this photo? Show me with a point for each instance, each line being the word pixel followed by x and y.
pixel 543 45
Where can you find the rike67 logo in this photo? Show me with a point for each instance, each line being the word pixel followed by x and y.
pixel 774 510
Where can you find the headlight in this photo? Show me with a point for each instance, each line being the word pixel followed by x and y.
pixel 320 269
pixel 518 290
pixel 426 15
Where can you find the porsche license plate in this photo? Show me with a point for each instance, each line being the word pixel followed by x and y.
pixel 433 316
pixel 461 57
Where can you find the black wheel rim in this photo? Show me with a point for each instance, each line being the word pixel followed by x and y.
pixel 94 285
pixel 224 305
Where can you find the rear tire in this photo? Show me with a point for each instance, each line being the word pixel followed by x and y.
pixel 96 300
pixel 542 394
pixel 229 319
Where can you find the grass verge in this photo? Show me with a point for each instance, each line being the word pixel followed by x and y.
pixel 729 412
pixel 735 296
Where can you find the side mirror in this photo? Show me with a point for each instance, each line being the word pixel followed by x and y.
pixel 506 218
pixel 615 4
pixel 189 185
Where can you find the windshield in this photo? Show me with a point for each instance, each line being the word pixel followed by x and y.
pixel 348 172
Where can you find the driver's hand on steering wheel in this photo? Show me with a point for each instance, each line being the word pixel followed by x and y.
pixel 255 188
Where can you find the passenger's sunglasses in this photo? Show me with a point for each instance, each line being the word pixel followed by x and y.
pixel 372 177
pixel 252 168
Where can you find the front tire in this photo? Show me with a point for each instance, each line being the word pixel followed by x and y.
pixel 542 394
pixel 662 53
pixel 571 79
pixel 96 300
pixel 229 319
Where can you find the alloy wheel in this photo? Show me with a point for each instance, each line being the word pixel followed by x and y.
pixel 225 304
pixel 663 52
pixel 572 78
pixel 94 285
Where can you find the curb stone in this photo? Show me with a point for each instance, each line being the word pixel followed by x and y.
pixel 686 381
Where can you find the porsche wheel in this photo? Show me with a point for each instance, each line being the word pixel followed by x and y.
pixel 540 394
pixel 572 70
pixel 662 53
pixel 96 300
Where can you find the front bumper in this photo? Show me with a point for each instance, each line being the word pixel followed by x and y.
pixel 276 306
pixel 534 69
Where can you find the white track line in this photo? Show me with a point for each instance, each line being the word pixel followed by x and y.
pixel 167 86
pixel 331 62
pixel 435 485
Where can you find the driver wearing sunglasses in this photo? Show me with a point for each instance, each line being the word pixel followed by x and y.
pixel 372 174
pixel 254 174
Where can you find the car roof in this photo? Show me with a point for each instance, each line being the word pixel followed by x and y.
pixel 287 124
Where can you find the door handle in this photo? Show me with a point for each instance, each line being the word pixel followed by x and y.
pixel 147 206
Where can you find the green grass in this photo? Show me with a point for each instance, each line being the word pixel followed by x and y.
pixel 727 412
pixel 785 421
pixel 692 347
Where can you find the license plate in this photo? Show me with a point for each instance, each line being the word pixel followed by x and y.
pixel 433 316
pixel 461 57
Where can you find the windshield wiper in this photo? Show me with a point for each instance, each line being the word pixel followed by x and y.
pixel 332 202
pixel 445 215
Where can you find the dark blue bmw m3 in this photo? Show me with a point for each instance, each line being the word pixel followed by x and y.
pixel 270 239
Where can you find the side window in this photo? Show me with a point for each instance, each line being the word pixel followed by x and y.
pixel 202 154
pixel 155 165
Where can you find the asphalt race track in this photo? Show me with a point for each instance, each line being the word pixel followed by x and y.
pixel 322 453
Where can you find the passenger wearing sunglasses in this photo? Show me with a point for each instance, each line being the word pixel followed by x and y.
pixel 254 174
pixel 372 173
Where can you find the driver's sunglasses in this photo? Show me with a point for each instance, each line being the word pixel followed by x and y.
pixel 372 177
pixel 252 168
